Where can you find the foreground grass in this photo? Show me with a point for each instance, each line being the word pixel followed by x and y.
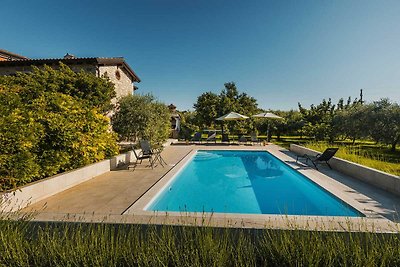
pixel 62 244
pixel 371 156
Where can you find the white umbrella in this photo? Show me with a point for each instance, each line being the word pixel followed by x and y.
pixel 267 115
pixel 232 116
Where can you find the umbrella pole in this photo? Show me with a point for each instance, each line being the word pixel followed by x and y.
pixel 268 132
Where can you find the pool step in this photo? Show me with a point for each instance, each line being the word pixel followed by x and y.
pixel 202 156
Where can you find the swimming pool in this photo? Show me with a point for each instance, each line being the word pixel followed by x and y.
pixel 252 182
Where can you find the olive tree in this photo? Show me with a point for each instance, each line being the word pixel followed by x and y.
pixel 351 122
pixel 383 121
pixel 141 117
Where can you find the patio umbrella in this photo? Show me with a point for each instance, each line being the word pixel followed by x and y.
pixel 267 115
pixel 231 116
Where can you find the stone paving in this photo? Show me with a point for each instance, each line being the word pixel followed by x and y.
pixel 112 192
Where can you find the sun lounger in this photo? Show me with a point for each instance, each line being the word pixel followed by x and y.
pixel 212 137
pixel 320 158
pixel 254 139
pixel 196 137
pixel 225 139
pixel 242 140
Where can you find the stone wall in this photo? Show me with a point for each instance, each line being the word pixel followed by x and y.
pixel 122 81
pixel 36 191
pixel 383 180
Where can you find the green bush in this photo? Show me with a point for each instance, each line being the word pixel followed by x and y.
pixel 84 86
pixel 47 133
pixel 188 125
pixel 19 133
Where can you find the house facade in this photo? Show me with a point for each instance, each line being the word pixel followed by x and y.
pixel 175 121
pixel 115 68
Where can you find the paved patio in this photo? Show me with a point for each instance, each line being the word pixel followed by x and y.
pixel 112 192
pixel 117 192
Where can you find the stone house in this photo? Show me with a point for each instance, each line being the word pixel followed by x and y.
pixel 115 68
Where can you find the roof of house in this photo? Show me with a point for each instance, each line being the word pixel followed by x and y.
pixel 102 61
pixel 12 56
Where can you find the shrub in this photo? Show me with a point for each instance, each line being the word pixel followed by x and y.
pixel 84 86
pixel 47 133
pixel 18 138
pixel 188 125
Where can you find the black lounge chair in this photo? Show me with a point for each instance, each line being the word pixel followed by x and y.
pixel 242 140
pixel 196 137
pixel 319 158
pixel 254 139
pixel 225 139
pixel 140 157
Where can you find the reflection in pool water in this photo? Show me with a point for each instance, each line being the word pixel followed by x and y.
pixel 246 182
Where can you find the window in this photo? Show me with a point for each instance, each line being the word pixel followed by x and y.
pixel 117 75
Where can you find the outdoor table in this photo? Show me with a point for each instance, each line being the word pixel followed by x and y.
pixel 157 155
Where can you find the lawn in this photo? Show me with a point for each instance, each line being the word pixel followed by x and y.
pixel 366 153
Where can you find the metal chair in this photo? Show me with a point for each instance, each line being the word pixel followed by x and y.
pixel 148 150
pixel 140 157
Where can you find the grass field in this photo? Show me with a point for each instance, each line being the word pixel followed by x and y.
pixel 366 153
pixel 62 244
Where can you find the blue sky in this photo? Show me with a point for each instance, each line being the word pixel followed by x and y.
pixel 280 52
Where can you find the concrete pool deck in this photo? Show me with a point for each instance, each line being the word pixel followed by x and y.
pixel 116 197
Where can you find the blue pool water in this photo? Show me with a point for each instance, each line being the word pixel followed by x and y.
pixel 246 182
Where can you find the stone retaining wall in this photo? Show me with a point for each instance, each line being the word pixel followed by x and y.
pixel 383 180
pixel 36 191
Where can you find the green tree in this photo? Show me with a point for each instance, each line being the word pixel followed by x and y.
pixel 141 117
pixel 291 123
pixel 318 120
pixel 84 86
pixel 209 106
pixel 350 122
pixel 206 107
pixel 384 122
pixel 188 124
